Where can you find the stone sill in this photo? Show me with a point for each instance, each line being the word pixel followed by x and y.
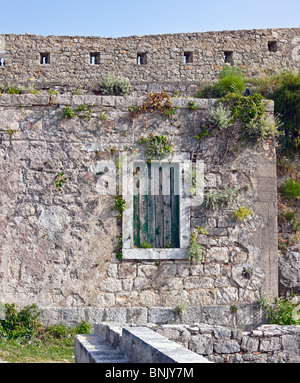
pixel 153 254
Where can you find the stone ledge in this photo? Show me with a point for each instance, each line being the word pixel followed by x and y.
pixel 108 101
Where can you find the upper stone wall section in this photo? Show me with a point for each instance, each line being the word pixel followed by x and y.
pixel 188 58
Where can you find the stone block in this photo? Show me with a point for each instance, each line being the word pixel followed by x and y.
pixel 222 333
pixel 137 316
pixel 217 315
pixel 94 314
pixel 201 344
pixel 249 344
pixel 226 346
pixel 161 315
pixel 271 344
pixel 118 315
pixel 73 316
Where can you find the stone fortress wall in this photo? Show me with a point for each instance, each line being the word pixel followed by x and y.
pixel 174 62
pixel 58 247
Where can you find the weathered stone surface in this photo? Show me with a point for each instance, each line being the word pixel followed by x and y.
pixel 289 271
pixel 226 346
pixel 202 344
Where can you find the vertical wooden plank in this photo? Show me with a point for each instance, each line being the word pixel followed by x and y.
pixel 166 199
pixel 159 213
pixel 151 209
pixel 174 197
pixel 143 204
pixel 136 205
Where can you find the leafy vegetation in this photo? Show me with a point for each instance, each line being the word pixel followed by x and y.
pixel 195 250
pixel 283 88
pixel 145 245
pixel 112 84
pixel 231 80
pixel 219 199
pixel 13 89
pixel 290 189
pixel 157 147
pixel 286 98
pixel 120 205
pixel 220 116
pixel 242 212
pixel 284 311
pixel 23 338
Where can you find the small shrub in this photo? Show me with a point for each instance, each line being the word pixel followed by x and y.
pixel 157 147
pixel 283 311
pixel 245 108
pixel 180 308
pixel 120 205
pixel 291 189
pixel 22 324
pixel 231 81
pixel 82 328
pixel 114 85
pixel 220 116
pixel 287 104
pixel 68 112
pixel 264 128
pixel 57 331
pixel 195 250
pixel 219 199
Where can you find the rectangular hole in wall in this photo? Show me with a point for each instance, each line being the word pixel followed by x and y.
pixel 142 58
pixel 2 61
pixel 45 58
pixel 95 58
pixel 188 57
pixel 228 57
pixel 272 46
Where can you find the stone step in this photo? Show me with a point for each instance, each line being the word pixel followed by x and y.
pixel 91 348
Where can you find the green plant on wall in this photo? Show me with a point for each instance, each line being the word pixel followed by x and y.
pixel 119 248
pixel 284 311
pixel 157 147
pixel 192 105
pixel 68 112
pixel 220 116
pixel 219 199
pixel 146 245
pixel 159 102
pixel 195 250
pixel 82 111
pixel 60 180
pixel 120 206
pixel 180 308
pixel 242 212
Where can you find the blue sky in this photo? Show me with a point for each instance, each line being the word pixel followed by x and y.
pixel 116 18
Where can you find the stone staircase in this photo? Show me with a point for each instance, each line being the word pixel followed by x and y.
pixel 93 348
pixel 113 343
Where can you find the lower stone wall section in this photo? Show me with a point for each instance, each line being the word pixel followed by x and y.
pixel 246 316
pixel 266 344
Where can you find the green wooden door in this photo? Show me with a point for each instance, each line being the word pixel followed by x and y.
pixel 156 205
